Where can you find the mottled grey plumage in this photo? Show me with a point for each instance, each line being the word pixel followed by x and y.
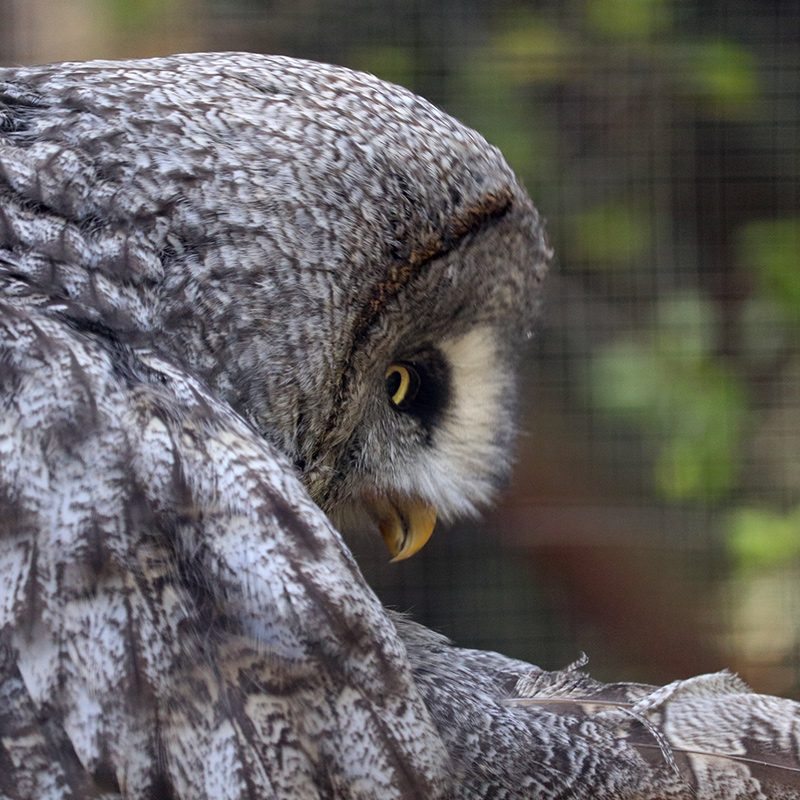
pixel 515 731
pixel 206 264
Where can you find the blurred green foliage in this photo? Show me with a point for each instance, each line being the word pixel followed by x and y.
pixel 613 234
pixel 763 538
pixel 392 63
pixel 134 15
pixel 531 48
pixel 671 387
pixel 771 249
pixel 724 74
pixel 628 19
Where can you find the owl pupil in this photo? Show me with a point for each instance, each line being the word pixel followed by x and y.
pixel 421 387
pixel 393 383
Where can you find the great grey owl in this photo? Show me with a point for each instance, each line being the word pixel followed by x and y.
pixel 241 295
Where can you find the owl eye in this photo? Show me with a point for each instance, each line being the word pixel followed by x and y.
pixel 402 384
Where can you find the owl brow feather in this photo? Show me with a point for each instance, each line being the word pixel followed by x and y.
pixel 491 207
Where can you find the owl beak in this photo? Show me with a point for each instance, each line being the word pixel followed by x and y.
pixel 406 523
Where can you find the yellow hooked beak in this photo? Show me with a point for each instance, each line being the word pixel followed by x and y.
pixel 406 523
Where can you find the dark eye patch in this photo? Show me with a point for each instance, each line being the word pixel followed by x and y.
pixel 431 394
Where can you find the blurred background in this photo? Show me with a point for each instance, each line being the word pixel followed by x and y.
pixel 654 516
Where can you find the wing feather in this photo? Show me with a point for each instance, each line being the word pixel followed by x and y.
pixel 564 735
pixel 173 600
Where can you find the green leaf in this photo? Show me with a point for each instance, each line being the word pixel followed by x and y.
pixel 669 384
pixel 529 50
pixel 762 538
pixel 686 327
pixel 622 379
pixel 771 249
pixel 492 104
pixel 611 235
pixel 389 62
pixel 137 14
pixel 628 19
pixel 723 73
pixel 699 460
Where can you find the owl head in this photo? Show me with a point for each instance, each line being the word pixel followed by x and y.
pixel 349 267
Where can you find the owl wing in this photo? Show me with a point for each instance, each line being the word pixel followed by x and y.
pixel 177 618
pixel 516 731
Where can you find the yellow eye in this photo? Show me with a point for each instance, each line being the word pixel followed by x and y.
pixel 402 384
